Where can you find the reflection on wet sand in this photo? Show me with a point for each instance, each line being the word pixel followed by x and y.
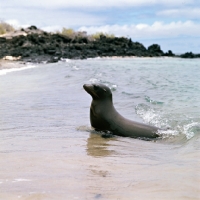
pixel 98 175
pixel 98 146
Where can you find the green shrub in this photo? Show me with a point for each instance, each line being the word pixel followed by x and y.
pixel 5 27
pixel 98 34
pixel 73 34
pixel 68 32
pixel 2 30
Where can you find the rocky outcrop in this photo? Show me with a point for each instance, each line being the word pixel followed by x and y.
pixel 35 45
pixel 169 53
pixel 190 55
pixel 155 49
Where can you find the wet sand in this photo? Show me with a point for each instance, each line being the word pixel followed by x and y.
pixel 95 168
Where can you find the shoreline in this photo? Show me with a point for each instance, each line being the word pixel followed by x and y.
pixel 12 66
pixel 5 64
pixel 18 63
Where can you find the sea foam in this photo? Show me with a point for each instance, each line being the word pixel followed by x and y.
pixel 5 71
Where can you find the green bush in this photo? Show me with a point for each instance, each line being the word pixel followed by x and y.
pixel 98 34
pixel 68 32
pixel 73 34
pixel 2 30
pixel 5 27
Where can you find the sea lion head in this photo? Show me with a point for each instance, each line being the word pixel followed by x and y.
pixel 98 91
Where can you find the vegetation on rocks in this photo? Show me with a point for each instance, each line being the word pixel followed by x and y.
pixel 68 32
pixel 99 34
pixel 5 28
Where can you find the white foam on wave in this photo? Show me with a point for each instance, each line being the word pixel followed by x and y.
pixel 94 80
pixel 5 71
pixel 190 129
pixel 167 133
pixel 149 115
pixel 65 60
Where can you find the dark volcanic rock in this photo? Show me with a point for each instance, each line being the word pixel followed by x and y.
pixel 190 55
pixel 169 53
pixel 32 28
pixel 155 50
pixel 2 39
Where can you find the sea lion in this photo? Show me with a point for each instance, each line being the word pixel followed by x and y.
pixel 104 117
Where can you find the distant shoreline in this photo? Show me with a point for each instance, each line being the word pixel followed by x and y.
pixel 36 46
pixel 11 64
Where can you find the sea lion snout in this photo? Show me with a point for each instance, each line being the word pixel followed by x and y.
pixel 87 87
pixel 98 91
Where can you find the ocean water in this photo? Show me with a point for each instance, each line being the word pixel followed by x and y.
pixel 48 149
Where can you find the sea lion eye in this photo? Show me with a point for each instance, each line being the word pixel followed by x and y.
pixel 96 87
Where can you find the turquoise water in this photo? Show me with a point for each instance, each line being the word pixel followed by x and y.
pixel 48 149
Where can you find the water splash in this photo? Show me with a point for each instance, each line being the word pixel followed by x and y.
pixel 150 116
pixel 113 87
pixel 191 129
pixel 168 133
pixel 171 127
pixel 94 80
pixel 148 99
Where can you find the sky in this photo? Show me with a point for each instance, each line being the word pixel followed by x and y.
pixel 173 24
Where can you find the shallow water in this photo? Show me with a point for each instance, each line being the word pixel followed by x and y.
pixel 49 151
